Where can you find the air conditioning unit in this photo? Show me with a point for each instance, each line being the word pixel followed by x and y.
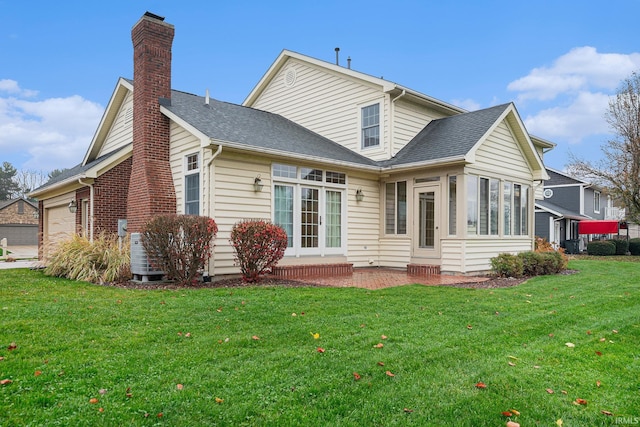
pixel 141 268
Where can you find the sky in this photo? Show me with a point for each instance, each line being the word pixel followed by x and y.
pixel 558 61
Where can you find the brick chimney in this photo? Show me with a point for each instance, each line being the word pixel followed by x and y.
pixel 151 190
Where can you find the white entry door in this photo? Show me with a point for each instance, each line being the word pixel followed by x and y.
pixel 426 222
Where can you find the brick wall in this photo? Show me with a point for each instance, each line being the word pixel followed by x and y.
pixel 151 190
pixel 11 213
pixel 110 198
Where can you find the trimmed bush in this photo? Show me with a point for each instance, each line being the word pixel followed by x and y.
pixel 622 246
pixel 552 262
pixel 543 246
pixel 179 245
pixel 258 245
pixel 601 248
pixel 532 263
pixel 100 261
pixel 507 265
pixel 634 246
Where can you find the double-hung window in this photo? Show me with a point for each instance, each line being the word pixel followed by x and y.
pixel 309 204
pixel 192 185
pixel 396 207
pixel 371 126
pixel 596 202
pixel 485 204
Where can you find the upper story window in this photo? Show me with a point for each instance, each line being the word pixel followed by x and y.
pixel 596 202
pixel 371 126
pixel 192 185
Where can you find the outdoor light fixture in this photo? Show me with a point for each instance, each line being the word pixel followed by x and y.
pixel 257 184
pixel 73 206
pixel 359 195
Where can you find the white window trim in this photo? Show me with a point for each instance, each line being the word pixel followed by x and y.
pixel 381 127
pixel 599 198
pixel 188 172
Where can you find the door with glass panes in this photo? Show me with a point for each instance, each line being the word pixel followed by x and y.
pixel 426 222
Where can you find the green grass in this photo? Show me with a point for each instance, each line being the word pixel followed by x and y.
pixel 82 339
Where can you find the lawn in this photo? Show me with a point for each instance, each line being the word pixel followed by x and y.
pixel 77 354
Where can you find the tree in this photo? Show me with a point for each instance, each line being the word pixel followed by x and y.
pixel 8 187
pixel 619 171
pixel 28 180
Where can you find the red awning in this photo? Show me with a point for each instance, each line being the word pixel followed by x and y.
pixel 597 227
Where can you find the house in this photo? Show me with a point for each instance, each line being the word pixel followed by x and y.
pixel 567 202
pixel 19 222
pixel 358 170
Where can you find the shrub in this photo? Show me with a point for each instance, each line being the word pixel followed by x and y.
pixel 179 245
pixel 601 247
pixel 507 265
pixel 543 246
pixel 622 246
pixel 552 262
pixel 532 263
pixel 258 245
pixel 100 261
pixel 634 246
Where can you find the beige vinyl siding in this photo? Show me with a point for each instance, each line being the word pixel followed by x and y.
pixel 473 256
pixel 326 103
pixel 363 222
pixel 395 252
pixel 408 120
pixel 182 143
pixel 234 199
pixel 500 154
pixel 121 132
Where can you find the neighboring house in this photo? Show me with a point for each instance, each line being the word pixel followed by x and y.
pixel 358 170
pixel 19 222
pixel 567 202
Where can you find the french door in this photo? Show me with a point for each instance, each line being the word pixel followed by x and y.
pixel 426 223
pixel 313 218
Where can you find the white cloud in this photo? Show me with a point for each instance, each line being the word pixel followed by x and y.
pixel 468 104
pixel 583 117
pixel 582 68
pixel 47 134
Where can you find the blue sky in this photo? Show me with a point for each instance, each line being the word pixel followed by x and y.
pixel 559 61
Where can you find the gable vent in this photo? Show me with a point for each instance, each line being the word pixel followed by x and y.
pixel 290 77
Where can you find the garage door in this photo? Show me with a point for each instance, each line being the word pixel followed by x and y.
pixel 19 234
pixel 60 225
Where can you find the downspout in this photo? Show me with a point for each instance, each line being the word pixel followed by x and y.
pixel 90 207
pixel 393 118
pixel 208 189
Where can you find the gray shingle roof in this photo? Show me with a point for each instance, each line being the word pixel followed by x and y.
pixel 448 137
pixel 567 213
pixel 257 129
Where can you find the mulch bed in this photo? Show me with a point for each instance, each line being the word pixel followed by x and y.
pixel 492 283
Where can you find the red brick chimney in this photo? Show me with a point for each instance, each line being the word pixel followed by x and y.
pixel 151 190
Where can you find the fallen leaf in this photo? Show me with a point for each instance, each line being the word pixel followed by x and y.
pixel 379 345
pixel 580 402
pixel 536 367
pixel 603 339
pixel 570 345
pixel 315 335
pixel 389 374
pixel 507 414
pixel 512 364
pixel 469 327
pixel 550 335
pixel 598 383
pixel 407 410
pixel 615 331
pixel 380 363
pixel 293 314
pixel 356 376
pixel 93 400
pixel 160 415
pixel 481 385
pixel 218 400
pixel 101 409
pixel 188 335
pixel 599 353
pixel 37 373
pixel 563 391
pixel 12 346
pixel 512 424
pixel 1 358
pixel 559 422
pixel 255 337
pixel 516 413
pixel 102 391
pixel 606 413
pixel 179 386
pixel 5 382
pixel 550 391
pixel 384 337
pixel 588 332
pixel 320 350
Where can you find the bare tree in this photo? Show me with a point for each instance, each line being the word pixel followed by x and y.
pixel 619 170
pixel 28 180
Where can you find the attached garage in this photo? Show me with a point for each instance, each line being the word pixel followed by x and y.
pixel 20 234
pixel 59 225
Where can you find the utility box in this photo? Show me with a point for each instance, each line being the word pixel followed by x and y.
pixel 122 228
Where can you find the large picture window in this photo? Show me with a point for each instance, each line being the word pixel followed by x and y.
pixel 192 185
pixel 484 204
pixel 396 207
pixel 309 204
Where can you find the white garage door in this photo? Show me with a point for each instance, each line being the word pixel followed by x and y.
pixel 60 225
